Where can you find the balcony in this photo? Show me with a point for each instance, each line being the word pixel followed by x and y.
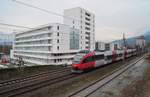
pixel 87 14
pixel 33 34
pixel 88 24
pixel 88 33
pixel 31 40
pixel 87 28
pixel 45 57
pixel 88 19
pixel 28 51
pixel 34 45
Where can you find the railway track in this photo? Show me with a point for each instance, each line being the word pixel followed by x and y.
pixel 22 79
pixel 91 88
pixel 23 85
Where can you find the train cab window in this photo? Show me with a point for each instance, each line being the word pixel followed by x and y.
pixel 98 57
pixel 109 57
pixel 89 59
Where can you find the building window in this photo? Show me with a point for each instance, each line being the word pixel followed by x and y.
pixel 57 40
pixel 87 23
pixel 87 14
pixel 57 47
pixel 49 34
pixel 49 28
pixel 57 27
pixel 58 34
pixel 87 19
pixel 87 28
pixel 74 40
pixel 49 48
pixel 55 61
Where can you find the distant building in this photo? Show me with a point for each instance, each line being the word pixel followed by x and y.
pixel 53 44
pixel 140 41
pixel 83 20
pixel 116 46
pixel 107 46
pixel 6 39
pixel 6 42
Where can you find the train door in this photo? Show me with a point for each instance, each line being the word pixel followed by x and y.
pixel 99 60
pixel 114 57
pixel 108 59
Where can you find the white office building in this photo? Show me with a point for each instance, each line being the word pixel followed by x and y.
pixel 84 21
pixel 52 44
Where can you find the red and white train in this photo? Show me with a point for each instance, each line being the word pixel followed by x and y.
pixel 85 60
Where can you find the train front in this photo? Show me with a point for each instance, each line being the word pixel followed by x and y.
pixel 77 63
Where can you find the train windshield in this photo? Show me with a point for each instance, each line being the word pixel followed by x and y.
pixel 78 58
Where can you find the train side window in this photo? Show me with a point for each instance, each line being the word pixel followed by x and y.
pixel 109 57
pixel 120 55
pixel 98 57
pixel 89 59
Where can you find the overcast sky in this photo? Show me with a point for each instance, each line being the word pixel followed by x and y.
pixel 113 17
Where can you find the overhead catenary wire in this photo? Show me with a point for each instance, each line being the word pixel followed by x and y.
pixel 35 7
pixel 44 10
pixel 16 26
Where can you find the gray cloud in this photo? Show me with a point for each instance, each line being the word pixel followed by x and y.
pixel 112 16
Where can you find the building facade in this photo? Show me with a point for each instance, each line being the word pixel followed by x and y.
pixel 140 41
pixel 52 44
pixel 83 20
pixel 6 39
pixel 140 44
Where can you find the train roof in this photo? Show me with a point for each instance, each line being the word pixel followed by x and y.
pixel 99 53
pixel 89 54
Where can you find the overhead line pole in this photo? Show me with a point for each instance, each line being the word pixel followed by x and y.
pixel 124 40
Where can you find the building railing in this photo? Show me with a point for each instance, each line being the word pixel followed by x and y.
pixel 33 34
pixel 30 40
pixel 33 45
